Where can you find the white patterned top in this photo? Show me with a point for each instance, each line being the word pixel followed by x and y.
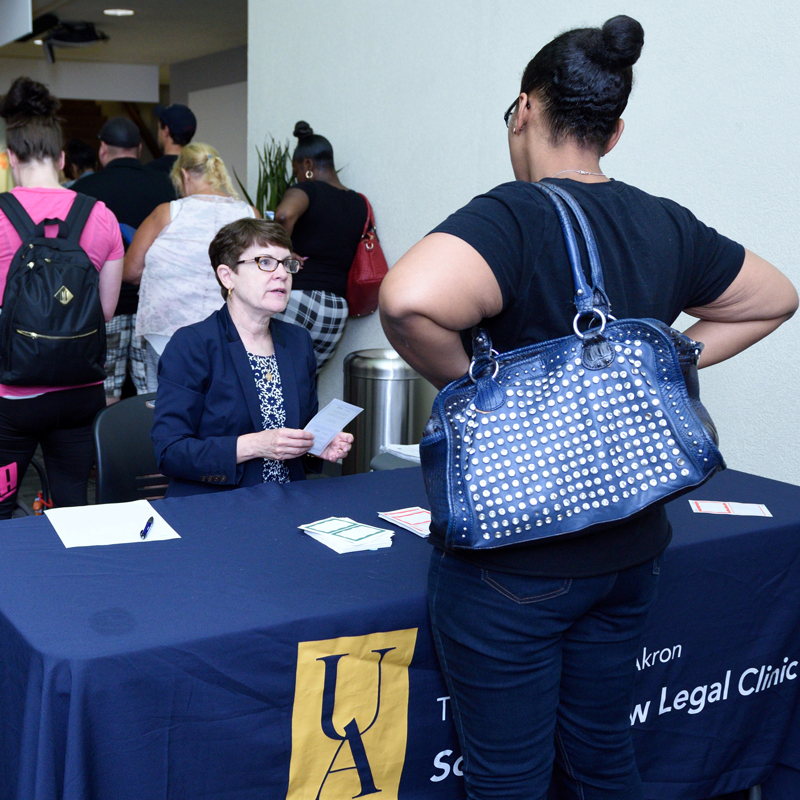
pixel 273 414
pixel 178 285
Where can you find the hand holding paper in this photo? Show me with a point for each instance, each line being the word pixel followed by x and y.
pixel 329 422
pixel 338 448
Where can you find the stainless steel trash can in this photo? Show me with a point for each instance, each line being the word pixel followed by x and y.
pixel 396 401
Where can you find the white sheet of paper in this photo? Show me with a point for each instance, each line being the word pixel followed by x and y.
pixel 110 523
pixel 330 421
pixel 737 509
pixel 410 452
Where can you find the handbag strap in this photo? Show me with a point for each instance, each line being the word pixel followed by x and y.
pixel 598 284
pixel 588 299
pixel 370 221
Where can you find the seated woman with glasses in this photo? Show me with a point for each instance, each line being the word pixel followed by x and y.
pixel 235 390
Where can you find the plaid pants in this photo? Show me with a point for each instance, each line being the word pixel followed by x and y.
pixel 123 347
pixel 322 314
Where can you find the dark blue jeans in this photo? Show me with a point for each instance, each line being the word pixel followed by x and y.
pixel 541 669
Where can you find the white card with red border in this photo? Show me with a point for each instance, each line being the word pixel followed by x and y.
pixel 414 519
pixel 735 509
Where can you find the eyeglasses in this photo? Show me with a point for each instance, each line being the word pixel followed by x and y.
pixel 507 115
pixel 270 263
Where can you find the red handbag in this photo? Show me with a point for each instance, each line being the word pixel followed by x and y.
pixel 369 268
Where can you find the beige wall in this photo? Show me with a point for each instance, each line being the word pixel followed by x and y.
pixel 412 96
pixel 86 80
pixel 222 122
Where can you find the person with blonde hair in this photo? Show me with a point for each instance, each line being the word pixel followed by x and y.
pixel 168 257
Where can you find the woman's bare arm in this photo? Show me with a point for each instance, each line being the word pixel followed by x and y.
pixel 109 285
pixel 440 287
pixel 145 236
pixel 760 299
pixel 292 206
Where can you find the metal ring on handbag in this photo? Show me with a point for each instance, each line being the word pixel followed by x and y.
pixel 597 313
pixel 493 360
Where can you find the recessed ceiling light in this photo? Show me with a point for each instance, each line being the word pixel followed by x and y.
pixel 38 41
pixel 118 12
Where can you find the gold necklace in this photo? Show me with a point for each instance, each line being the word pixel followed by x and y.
pixel 580 172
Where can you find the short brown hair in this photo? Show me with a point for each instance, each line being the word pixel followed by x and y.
pixel 235 237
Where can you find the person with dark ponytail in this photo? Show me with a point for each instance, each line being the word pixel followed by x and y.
pixel 57 417
pixel 325 220
pixel 538 641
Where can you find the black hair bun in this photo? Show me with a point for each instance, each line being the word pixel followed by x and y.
pixel 28 98
pixel 618 44
pixel 302 130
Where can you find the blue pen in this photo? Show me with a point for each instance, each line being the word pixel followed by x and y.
pixel 146 530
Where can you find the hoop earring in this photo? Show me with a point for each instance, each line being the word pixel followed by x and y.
pixel 309 174
pixel 230 292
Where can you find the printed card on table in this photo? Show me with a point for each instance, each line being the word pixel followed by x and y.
pixel 345 535
pixel 414 519
pixel 735 509
pixel 343 527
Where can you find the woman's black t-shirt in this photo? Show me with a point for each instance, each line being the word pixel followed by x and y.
pixel 658 259
pixel 327 233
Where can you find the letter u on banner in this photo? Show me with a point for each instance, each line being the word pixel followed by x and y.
pixel 350 716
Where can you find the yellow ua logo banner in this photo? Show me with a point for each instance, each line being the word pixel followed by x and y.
pixel 350 716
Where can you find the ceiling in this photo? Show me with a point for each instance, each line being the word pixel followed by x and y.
pixel 160 32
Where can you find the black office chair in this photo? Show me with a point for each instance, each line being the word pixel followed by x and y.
pixel 126 465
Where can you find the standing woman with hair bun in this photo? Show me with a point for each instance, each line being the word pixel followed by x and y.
pixel 57 417
pixel 169 253
pixel 325 220
pixel 538 641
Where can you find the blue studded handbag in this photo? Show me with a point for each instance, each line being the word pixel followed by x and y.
pixel 561 436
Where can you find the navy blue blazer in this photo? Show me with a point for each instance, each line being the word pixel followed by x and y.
pixel 207 398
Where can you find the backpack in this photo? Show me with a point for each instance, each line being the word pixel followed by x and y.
pixel 52 328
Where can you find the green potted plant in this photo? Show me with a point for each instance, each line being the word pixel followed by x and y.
pixel 274 177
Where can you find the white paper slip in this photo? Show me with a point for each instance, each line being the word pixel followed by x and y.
pixel 737 509
pixel 330 421
pixel 414 519
pixel 109 523
pixel 410 452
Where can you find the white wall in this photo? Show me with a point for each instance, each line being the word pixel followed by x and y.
pixel 206 72
pixel 17 20
pixel 222 122
pixel 86 80
pixel 412 96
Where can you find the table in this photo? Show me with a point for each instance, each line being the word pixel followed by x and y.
pixel 246 660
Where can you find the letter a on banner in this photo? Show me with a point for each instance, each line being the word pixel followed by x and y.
pixel 350 716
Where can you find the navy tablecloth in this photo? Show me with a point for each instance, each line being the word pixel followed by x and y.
pixel 246 660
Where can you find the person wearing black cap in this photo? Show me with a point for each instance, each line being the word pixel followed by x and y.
pixel 131 192
pixel 176 127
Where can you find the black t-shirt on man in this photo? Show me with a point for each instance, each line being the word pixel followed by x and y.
pixel 131 192
pixel 658 259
